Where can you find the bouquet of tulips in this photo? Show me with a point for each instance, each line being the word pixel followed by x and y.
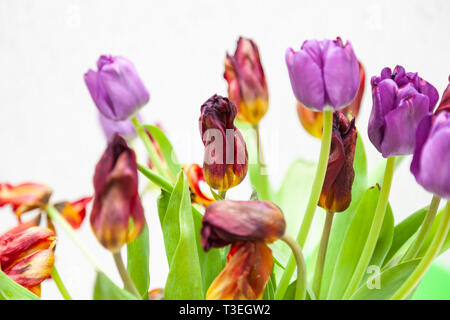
pixel 253 247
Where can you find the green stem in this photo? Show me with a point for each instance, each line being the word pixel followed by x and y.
pixel 313 199
pixel 262 168
pixel 60 285
pixel 432 251
pixel 423 232
pixel 56 217
pixel 374 232
pixel 126 279
pixel 300 290
pixel 154 157
pixel 222 194
pixel 155 178
pixel 322 253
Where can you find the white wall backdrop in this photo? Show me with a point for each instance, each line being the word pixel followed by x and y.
pixel 48 123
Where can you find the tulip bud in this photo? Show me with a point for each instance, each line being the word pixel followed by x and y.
pixel 117 215
pixel 116 88
pixel 323 73
pixel 24 197
pixel 26 255
pixel 445 100
pixel 400 100
pixel 245 275
pixel 124 128
pixel 247 87
pixel 194 175
pixel 74 212
pixel 225 162
pixel 431 158
pixel 336 192
pixel 227 221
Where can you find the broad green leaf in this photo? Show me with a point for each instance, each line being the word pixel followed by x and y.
pixel 10 290
pixel 166 149
pixel 138 252
pixel 389 281
pixel 290 292
pixel 431 234
pixel 105 289
pixel 269 292
pixel 341 220
pixel 435 284
pixel 184 280
pixel 162 203
pixel 403 232
pixel 353 243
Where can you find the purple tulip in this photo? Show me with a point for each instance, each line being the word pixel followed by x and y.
pixel 124 128
pixel 323 73
pixel 400 100
pixel 116 88
pixel 431 159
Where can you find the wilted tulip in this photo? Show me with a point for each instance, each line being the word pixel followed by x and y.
pixel 400 100
pixel 245 275
pixel 324 73
pixel 336 192
pixel 247 87
pixel 25 196
pixel 225 162
pixel 194 175
pixel 229 221
pixel 117 215
pixel 74 212
pixel 312 121
pixel 110 127
pixel 26 255
pixel 431 159
pixel 116 88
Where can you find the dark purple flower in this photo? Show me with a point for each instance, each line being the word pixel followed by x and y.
pixel 323 73
pixel 400 100
pixel 116 88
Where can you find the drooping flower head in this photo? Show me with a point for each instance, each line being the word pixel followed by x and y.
pixel 225 161
pixel 117 215
pixel 312 121
pixel 400 100
pixel 116 88
pixel 194 175
pixel 323 73
pixel 336 192
pixel 247 87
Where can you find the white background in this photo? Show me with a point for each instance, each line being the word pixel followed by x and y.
pixel 48 123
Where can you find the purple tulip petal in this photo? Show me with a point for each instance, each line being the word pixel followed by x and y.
pixel 422 133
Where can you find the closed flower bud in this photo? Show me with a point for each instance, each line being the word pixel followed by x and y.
pixel 247 87
pixel 24 197
pixel 431 159
pixel 400 100
pixel 229 221
pixel 323 73
pixel 245 275
pixel 116 88
pixel 312 121
pixel 194 175
pixel 74 212
pixel 26 255
pixel 225 161
pixel 336 192
pixel 117 215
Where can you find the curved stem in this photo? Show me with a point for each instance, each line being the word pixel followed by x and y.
pixel 374 232
pixel 322 253
pixel 154 157
pixel 60 284
pixel 126 279
pixel 423 232
pixel 300 290
pixel 262 169
pixel 434 249
pixel 313 198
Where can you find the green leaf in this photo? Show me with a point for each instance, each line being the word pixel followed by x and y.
pixel 138 252
pixel 341 220
pixel 354 242
pixel 435 284
pixel 403 232
pixel 431 234
pixel 105 289
pixel 184 280
pixel 166 149
pixel 162 203
pixel 390 280
pixel 269 292
pixel 10 290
